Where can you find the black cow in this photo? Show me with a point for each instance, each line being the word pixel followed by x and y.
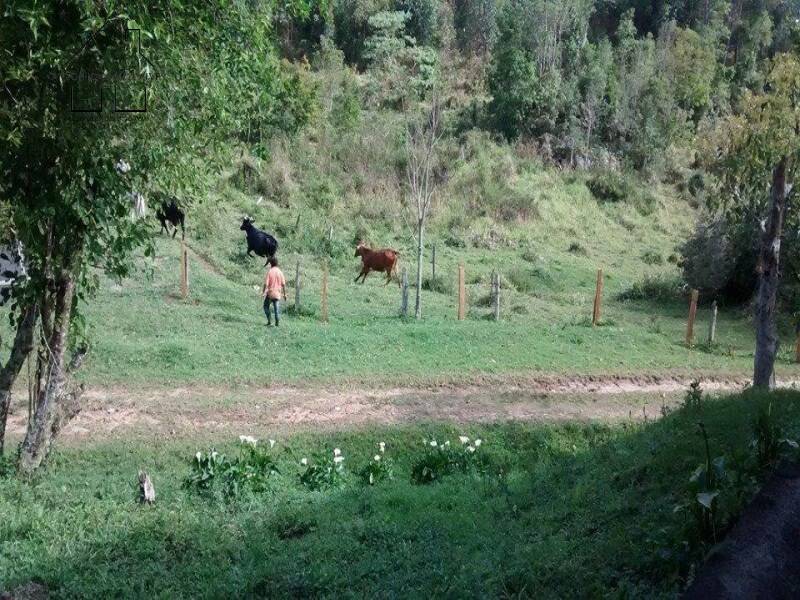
pixel 170 213
pixel 260 242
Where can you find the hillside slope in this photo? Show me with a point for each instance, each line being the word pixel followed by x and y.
pixel 144 332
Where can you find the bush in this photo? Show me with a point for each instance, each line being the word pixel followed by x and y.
pixel 250 471
pixel 651 257
pixel 608 186
pixel 576 248
pixel 526 281
pixel 378 469
pixel 721 259
pixel 440 460
pixel 612 187
pixel 654 288
pixel 440 285
pixel 324 471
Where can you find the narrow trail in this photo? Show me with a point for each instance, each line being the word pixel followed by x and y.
pixel 211 410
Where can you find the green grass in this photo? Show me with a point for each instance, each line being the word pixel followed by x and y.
pixel 142 332
pixel 579 510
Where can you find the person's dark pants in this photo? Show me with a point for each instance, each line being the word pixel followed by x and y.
pixel 276 305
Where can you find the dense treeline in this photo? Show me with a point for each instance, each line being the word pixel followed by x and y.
pixel 604 85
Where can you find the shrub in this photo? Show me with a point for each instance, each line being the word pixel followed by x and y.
pixel 528 280
pixel 651 257
pixel 288 526
pixel 608 186
pixel 440 285
pixel 251 470
pixel 694 396
pixel 440 460
pixel 378 469
pixel 576 248
pixel 654 288
pixel 721 258
pixel 697 184
pixel 769 440
pixel 324 471
pixel 613 187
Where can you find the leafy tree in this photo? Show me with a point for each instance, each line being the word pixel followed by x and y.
pixel 399 70
pixel 351 26
pixel 759 149
pixel 67 175
pixel 422 19
pixel 475 25
pixel 525 99
pixel 691 67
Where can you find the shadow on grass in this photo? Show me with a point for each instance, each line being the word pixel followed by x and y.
pixel 563 511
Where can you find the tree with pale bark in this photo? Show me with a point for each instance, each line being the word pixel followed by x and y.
pixel 422 140
pixel 756 154
pixel 99 105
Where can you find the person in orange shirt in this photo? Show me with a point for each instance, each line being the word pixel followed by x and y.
pixel 274 289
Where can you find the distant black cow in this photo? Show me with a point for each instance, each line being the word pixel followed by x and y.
pixel 170 213
pixel 260 242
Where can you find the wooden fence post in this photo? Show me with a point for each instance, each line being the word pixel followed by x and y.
pixel 598 298
pixel 324 300
pixel 712 327
pixel 692 314
pixel 297 286
pixel 462 293
pixel 404 297
pixel 184 271
pixel 433 266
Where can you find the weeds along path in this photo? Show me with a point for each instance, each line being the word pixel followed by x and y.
pixel 205 411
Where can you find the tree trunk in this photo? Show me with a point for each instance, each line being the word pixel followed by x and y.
pixel 418 300
pixel 768 270
pixel 53 407
pixel 23 345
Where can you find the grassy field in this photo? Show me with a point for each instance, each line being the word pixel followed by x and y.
pixel 547 250
pixel 144 333
pixel 579 510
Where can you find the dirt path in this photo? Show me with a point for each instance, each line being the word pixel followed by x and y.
pixel 199 410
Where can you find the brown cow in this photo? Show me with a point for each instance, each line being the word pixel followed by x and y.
pixel 383 260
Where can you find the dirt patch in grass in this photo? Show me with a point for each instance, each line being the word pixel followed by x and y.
pixel 200 410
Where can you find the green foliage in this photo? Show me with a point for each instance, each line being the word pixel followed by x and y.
pixel 379 469
pixel 531 280
pixel 323 471
pixel 693 399
pixel 524 103
pixel 567 478
pixel 654 288
pixel 475 24
pixel 250 471
pixel 442 459
pixel 441 285
pixel 609 186
pixel 400 70
pixel 705 484
pixel 422 19
pixel 769 437
pixel 720 258
pixel 612 187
